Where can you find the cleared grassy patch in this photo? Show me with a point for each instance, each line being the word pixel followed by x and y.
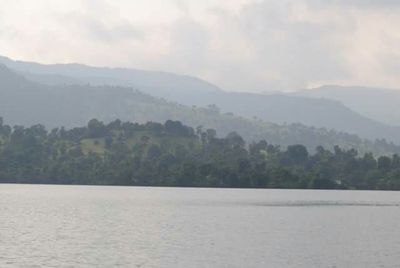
pixel 93 146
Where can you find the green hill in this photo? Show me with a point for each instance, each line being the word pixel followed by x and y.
pixel 23 102
pixel 173 154
pixel 360 112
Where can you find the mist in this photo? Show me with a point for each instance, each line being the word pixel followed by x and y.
pixel 243 45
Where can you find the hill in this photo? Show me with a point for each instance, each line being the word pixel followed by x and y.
pixel 160 84
pixel 23 102
pixel 321 113
pixel 186 90
pixel 172 154
pixel 377 103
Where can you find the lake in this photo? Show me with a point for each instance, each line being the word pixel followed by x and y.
pixel 94 226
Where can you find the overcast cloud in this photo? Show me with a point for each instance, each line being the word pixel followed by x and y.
pixel 245 45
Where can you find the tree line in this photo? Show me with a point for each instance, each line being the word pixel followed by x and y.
pixel 172 154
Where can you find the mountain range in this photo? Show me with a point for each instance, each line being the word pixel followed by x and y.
pixel 62 95
pixel 352 110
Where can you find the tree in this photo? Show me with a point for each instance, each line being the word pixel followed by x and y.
pixel 211 134
pixel 108 142
pixel 177 128
pixel 96 129
pixel 177 157
pixel 396 161
pixel 235 140
pixel 384 163
pixel 154 152
pixel 145 139
pixel 296 154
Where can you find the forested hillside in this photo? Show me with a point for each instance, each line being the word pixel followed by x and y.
pixel 23 102
pixel 277 108
pixel 172 154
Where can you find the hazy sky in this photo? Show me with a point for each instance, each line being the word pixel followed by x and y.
pixel 246 45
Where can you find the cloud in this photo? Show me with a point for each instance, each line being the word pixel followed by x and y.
pixel 357 3
pixel 292 44
pixel 296 47
pixel 96 30
pixel 252 45
pixel 189 44
pixel 265 46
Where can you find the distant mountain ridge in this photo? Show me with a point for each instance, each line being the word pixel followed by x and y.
pixel 281 109
pixel 276 108
pixel 23 102
pixel 377 103
pixel 157 83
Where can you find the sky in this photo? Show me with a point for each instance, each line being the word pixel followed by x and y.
pixel 240 45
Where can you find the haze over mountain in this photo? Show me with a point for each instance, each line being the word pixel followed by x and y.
pixel 240 45
pixel 161 84
pixel 376 103
pixel 24 102
pixel 276 108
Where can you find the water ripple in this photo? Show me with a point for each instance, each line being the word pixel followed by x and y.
pixel 324 203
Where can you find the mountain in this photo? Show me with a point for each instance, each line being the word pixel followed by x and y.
pixel 280 109
pixel 275 108
pixel 376 103
pixel 26 102
pixel 23 102
pixel 161 84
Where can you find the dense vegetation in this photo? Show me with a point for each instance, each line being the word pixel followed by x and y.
pixel 173 154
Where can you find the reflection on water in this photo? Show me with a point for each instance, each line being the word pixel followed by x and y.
pixel 84 226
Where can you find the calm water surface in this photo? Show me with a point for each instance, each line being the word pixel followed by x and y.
pixel 84 226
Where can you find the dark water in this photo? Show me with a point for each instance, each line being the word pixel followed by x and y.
pixel 82 226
